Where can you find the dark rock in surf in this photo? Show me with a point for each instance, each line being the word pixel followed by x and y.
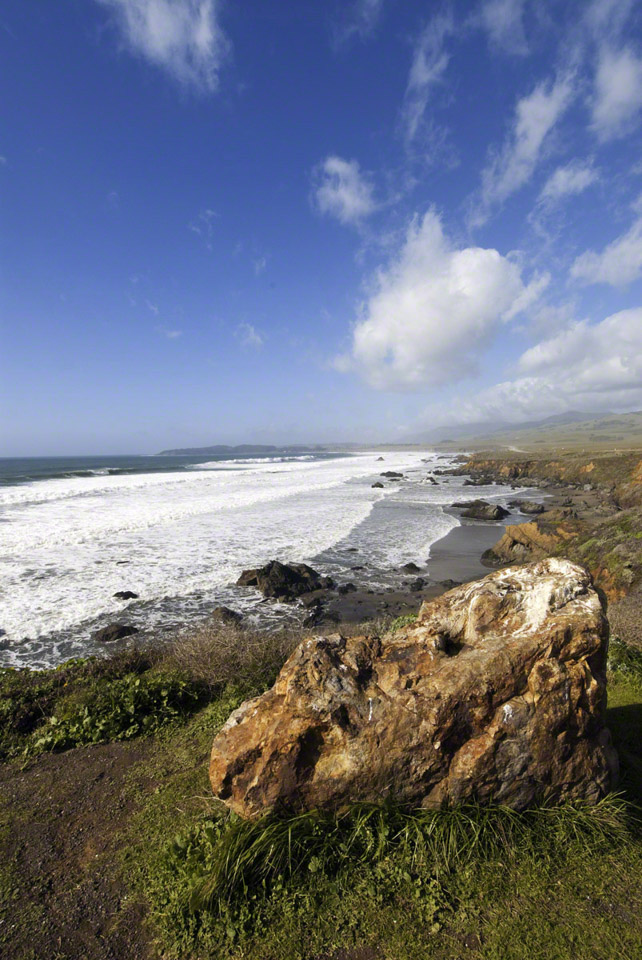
pixel 226 616
pixel 391 475
pixel 377 485
pixel 284 581
pixel 125 595
pixel 115 631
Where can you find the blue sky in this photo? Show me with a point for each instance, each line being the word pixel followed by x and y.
pixel 315 221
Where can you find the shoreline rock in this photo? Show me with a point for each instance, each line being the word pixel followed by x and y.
pixel 284 581
pixel 496 693
pixel 481 510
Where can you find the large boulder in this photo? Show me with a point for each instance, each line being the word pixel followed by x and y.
pixel 481 510
pixel 496 692
pixel 284 581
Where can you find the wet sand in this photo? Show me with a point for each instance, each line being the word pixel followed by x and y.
pixel 454 559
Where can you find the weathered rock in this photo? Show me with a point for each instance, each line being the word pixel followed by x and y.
pixel 496 692
pixel 226 615
pixel 125 595
pixel 392 475
pixel 378 485
pixel 411 568
pixel 521 543
pixel 482 510
pixel 284 581
pixel 115 631
pixel 527 506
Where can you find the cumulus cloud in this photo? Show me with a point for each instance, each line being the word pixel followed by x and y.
pixel 568 181
pixel 535 117
pixel 617 99
pixel 586 367
pixel 341 190
pixel 183 37
pixel 429 63
pixel 249 336
pixel 433 308
pixel 503 21
pixel 618 264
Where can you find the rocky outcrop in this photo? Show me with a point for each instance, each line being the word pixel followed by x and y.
pixel 391 475
pixel 125 595
pixel 496 692
pixel 481 510
pixel 284 581
pixel 378 485
pixel 521 543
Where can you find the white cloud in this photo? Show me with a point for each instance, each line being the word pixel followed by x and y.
pixel 617 99
pixel 152 306
pixel 170 334
pixel 432 310
pixel 607 17
pixel 567 181
pixel 3 161
pixel 503 22
pixel 341 190
pixel 360 20
pixel 249 336
pixel 535 117
pixel 260 265
pixel 429 63
pixel 586 367
pixel 182 37
pixel 618 264
pixel 203 225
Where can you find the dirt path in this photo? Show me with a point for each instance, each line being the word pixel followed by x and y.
pixel 60 896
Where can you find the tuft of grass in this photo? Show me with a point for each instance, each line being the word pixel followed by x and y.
pixel 217 654
pixel 241 856
pixel 404 621
pixel 625 661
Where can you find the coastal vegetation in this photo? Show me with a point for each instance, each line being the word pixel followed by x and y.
pixel 193 880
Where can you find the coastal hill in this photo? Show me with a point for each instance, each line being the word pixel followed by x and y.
pixel 241 449
pixel 571 431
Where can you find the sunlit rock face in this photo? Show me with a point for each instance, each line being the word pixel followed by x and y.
pixel 495 693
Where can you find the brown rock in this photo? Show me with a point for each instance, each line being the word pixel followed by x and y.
pixel 496 692
pixel 521 543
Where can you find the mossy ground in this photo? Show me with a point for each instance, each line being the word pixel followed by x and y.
pixel 104 847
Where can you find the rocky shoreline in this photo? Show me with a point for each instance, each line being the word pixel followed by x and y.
pixel 584 509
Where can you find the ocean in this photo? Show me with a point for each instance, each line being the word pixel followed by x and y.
pixel 177 531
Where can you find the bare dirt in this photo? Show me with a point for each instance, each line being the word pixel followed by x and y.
pixel 61 818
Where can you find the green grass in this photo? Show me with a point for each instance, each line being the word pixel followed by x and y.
pixel 549 884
